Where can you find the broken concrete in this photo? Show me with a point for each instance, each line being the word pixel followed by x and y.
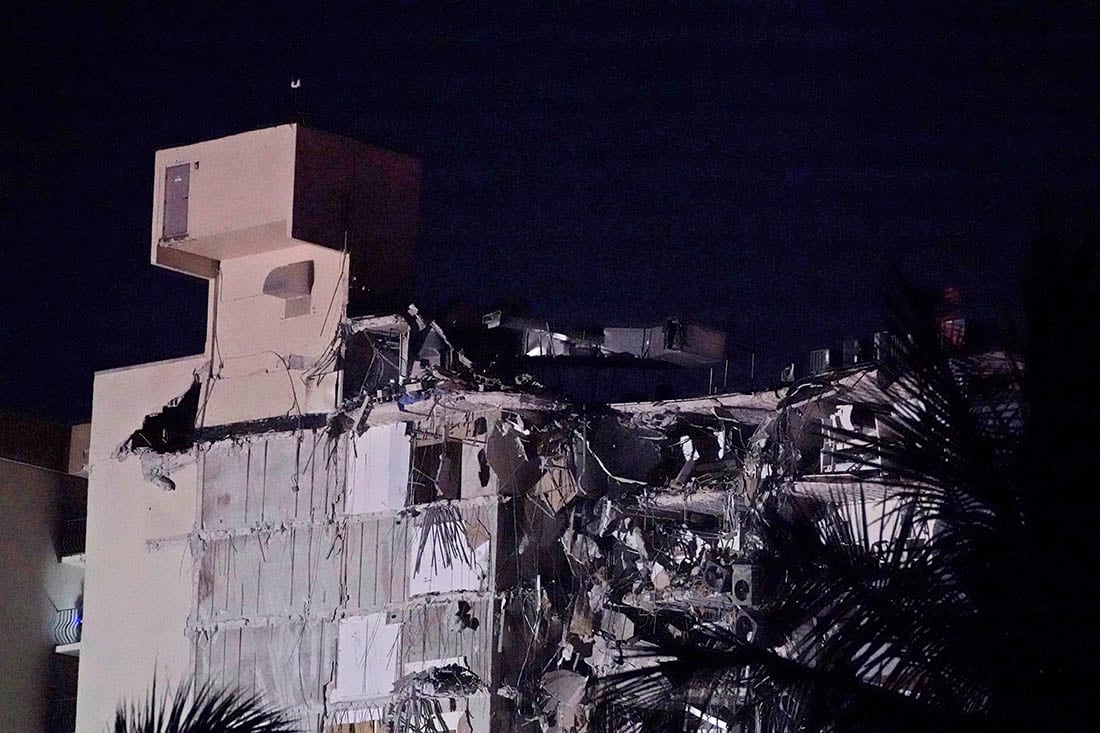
pixel 172 430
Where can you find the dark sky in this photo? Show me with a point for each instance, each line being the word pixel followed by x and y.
pixel 756 165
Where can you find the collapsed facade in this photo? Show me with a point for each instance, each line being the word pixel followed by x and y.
pixel 378 523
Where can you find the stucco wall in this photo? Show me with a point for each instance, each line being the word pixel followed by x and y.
pixel 242 182
pixel 138 590
pixel 260 355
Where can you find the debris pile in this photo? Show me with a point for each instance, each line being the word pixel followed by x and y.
pixel 549 544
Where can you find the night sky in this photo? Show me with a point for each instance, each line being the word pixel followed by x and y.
pixel 758 166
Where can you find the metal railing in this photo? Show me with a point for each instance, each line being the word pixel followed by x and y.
pixel 66 626
pixel 72 536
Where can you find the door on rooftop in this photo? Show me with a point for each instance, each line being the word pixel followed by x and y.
pixel 177 181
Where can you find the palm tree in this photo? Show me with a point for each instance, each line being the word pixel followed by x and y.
pixel 208 710
pixel 986 623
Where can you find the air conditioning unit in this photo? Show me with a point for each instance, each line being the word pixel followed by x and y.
pixel 745 626
pixel 819 361
pixel 742 587
pixel 735 579
pixel 492 320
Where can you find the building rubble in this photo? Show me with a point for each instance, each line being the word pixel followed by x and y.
pixel 557 533
pixel 546 543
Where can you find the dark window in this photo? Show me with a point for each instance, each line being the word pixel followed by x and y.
pixel 436 472
pixel 177 182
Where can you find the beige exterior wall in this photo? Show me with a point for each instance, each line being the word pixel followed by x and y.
pixel 139 568
pixel 257 350
pixel 288 573
pixel 241 192
pixel 154 570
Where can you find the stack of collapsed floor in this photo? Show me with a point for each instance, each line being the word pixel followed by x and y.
pixel 629 524
pixel 632 530
pixel 626 522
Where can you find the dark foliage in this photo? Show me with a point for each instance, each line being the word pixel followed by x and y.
pixel 208 710
pixel 984 623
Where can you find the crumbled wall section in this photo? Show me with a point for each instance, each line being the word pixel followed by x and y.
pixel 172 430
pixel 281 563
pixel 269 580
pixel 379 554
pixel 269 481
pixel 290 662
pixel 491 542
pixel 433 631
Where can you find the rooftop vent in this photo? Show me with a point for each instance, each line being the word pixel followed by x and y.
pixel 292 283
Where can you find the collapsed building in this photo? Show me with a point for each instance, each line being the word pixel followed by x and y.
pixel 333 504
pixel 379 523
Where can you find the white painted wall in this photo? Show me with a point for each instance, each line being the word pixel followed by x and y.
pixel 253 343
pixel 137 597
pixel 243 186
pixel 367 657
pixel 378 470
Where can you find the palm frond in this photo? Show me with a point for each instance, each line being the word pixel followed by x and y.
pixel 963 613
pixel 208 710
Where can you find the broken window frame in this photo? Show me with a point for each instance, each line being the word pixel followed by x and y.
pixel 430 455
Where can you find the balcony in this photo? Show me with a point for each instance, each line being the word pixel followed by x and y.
pixel 66 631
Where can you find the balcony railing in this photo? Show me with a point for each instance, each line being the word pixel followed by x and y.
pixel 66 626
pixel 72 536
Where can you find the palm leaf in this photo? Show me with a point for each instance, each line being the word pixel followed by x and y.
pixel 963 627
pixel 208 710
